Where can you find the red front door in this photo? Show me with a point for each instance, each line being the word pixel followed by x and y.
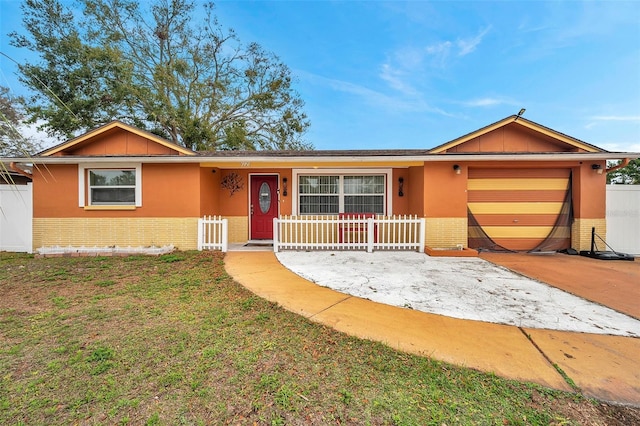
pixel 264 206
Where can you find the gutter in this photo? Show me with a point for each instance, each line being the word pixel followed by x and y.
pixel 255 160
pixel 624 163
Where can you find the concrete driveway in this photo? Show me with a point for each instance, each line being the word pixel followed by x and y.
pixel 465 288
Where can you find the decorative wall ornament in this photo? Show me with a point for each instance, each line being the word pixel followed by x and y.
pixel 232 182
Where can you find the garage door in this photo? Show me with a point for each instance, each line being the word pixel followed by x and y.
pixel 519 209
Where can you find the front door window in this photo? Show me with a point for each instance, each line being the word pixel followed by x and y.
pixel 265 197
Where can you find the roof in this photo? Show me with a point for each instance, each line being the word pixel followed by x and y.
pixel 317 153
pixel 392 157
pixel 317 158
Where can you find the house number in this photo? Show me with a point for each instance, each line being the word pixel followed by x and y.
pixel 245 164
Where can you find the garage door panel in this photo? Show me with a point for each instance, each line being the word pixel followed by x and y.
pixel 514 232
pixel 518 208
pixel 516 219
pixel 518 184
pixel 517 196
pixel 516 244
pixel 476 173
pixel 519 231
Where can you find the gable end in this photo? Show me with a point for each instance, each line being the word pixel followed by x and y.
pixel 116 139
pixel 515 135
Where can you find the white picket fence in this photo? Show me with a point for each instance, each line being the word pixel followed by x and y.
pixel 213 233
pixel 348 232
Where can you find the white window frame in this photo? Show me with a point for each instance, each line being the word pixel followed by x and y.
pixel 388 174
pixel 83 181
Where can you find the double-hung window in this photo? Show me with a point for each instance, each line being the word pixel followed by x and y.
pixel 363 194
pixel 110 186
pixel 342 193
pixel 319 194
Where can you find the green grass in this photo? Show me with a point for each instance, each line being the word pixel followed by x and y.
pixel 174 340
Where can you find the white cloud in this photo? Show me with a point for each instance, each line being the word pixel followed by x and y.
pixel 526 27
pixel 566 24
pixel 467 46
pixel 376 98
pixel 42 139
pixel 600 119
pixel 620 146
pixel 616 118
pixel 397 79
pixel 441 51
pixel 607 125
pixel 441 48
pixel 484 102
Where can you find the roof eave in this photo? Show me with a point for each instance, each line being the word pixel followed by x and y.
pixel 253 159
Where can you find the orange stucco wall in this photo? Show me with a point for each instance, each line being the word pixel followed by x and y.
pixel 55 191
pixel 286 201
pixel 187 190
pixel 234 204
pixel 415 190
pixel 589 191
pixel 445 192
pixel 168 190
pixel 401 204
pixel 237 204
pixel 209 191
pixel 219 201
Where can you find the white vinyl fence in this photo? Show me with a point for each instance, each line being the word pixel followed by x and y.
pixel 213 233
pixel 16 212
pixel 348 232
pixel 623 218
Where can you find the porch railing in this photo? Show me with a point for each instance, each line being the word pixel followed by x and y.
pixel 213 233
pixel 348 232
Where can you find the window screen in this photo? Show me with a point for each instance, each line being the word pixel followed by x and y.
pixel 112 187
pixel 341 194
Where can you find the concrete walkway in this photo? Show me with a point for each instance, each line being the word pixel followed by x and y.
pixel 602 366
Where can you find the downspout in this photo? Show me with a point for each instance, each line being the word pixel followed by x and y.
pixel 14 166
pixel 624 163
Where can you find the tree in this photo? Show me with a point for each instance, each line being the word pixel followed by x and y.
pixel 12 141
pixel 629 174
pixel 167 69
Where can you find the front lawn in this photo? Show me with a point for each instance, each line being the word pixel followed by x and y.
pixel 174 340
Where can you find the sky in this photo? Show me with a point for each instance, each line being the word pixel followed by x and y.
pixel 417 74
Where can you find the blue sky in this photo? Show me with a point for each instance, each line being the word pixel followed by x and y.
pixel 418 74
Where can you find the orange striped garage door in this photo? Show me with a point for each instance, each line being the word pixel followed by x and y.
pixel 517 208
